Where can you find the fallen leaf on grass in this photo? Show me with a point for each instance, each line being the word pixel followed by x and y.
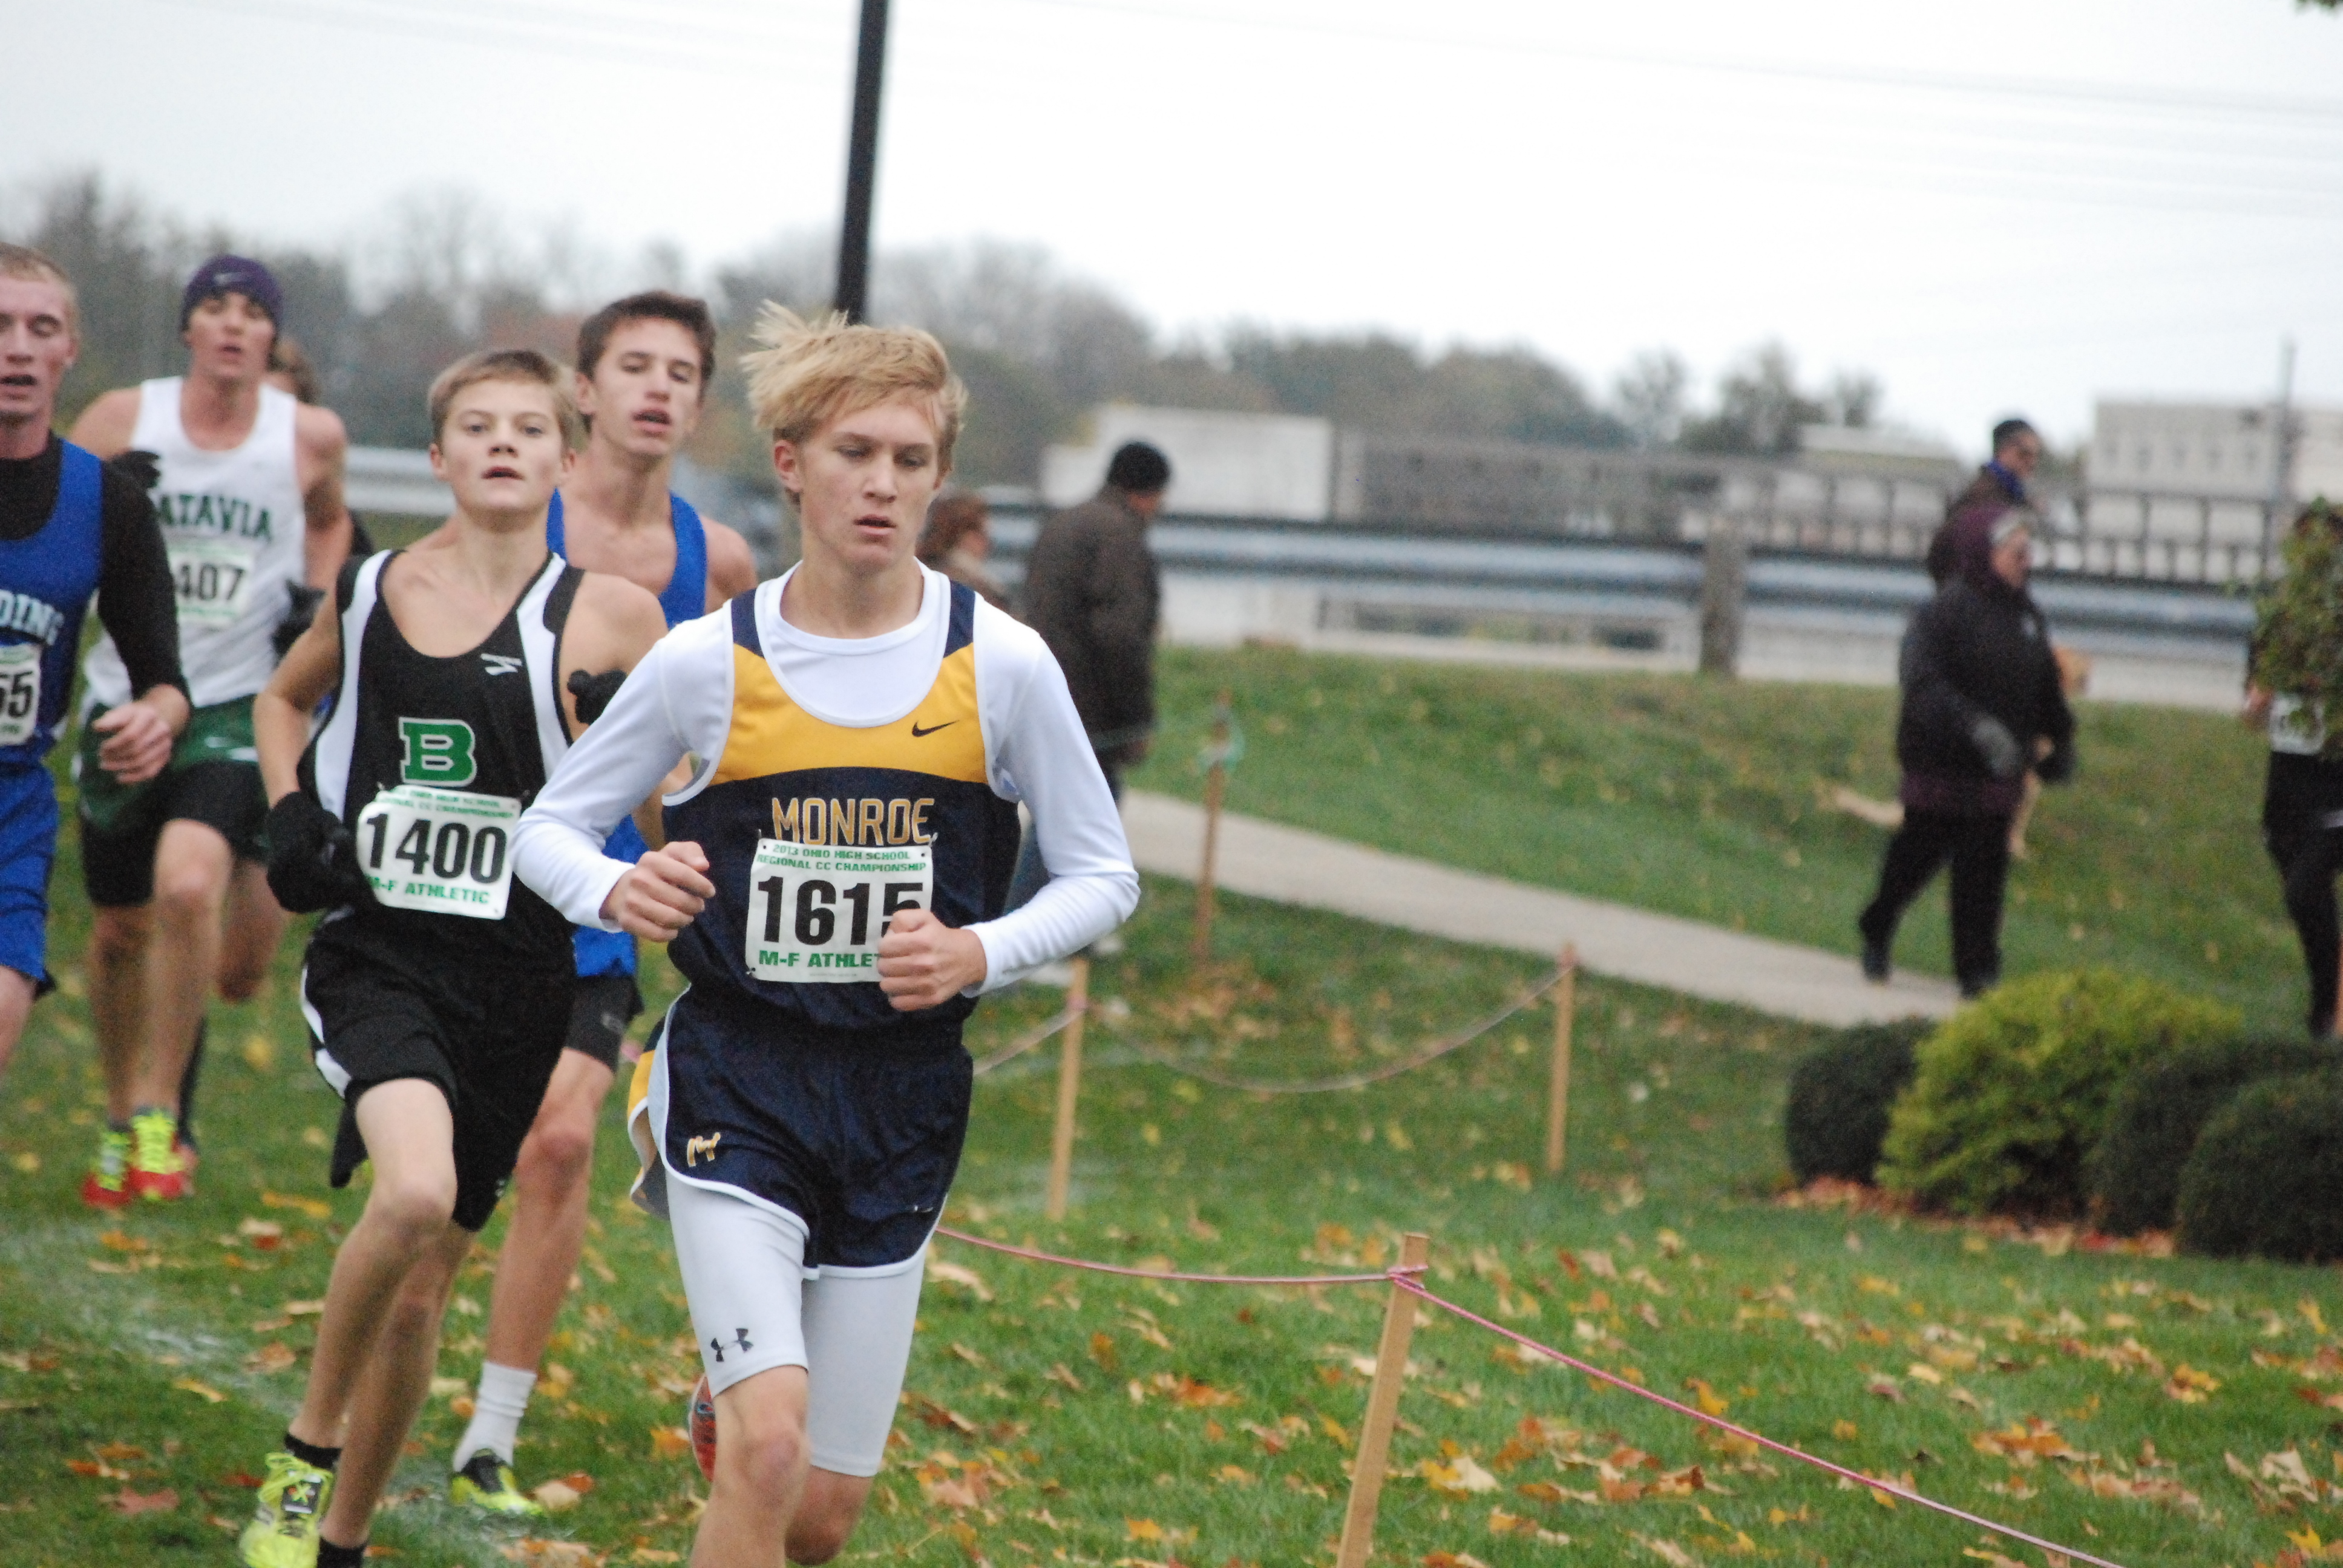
pixel 121 1452
pixel 204 1392
pixel 273 1356
pixel 669 1443
pixel 529 1549
pixel 1667 1552
pixel 97 1469
pixel 942 1273
pixel 1452 1560
pixel 135 1503
pixel 1458 1477
pixel 1058 1373
pixel 2191 1386
pixel 1103 1351
pixel 2023 1443
pixel 1142 1529
pixel 315 1208
pixel 1887 1388
pixel 556 1496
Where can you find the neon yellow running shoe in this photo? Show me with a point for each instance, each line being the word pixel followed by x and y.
pixel 284 1529
pixel 156 1170
pixel 102 1188
pixel 487 1482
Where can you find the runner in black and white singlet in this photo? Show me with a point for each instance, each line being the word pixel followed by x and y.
pixel 834 886
pixel 70 529
pixel 249 496
pixel 643 363
pixel 437 986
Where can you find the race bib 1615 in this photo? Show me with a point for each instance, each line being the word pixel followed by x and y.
pixel 816 911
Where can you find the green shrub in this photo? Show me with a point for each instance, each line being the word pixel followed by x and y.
pixel 2268 1174
pixel 1839 1098
pixel 2012 1093
pixel 2133 1173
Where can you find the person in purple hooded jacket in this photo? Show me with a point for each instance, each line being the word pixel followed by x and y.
pixel 1983 704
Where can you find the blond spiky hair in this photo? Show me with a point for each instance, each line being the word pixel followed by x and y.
pixel 808 373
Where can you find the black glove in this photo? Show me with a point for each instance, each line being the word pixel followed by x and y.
pixel 313 861
pixel 594 692
pixel 140 467
pixel 2004 759
pixel 297 620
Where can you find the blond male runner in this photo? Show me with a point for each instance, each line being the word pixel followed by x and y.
pixel 644 364
pixel 833 886
pixel 250 499
pixel 436 989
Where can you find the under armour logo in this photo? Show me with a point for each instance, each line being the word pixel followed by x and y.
pixel 694 1148
pixel 500 664
pixel 740 1342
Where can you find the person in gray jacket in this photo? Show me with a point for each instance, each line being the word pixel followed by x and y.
pixel 1092 591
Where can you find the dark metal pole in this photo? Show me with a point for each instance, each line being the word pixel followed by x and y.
pixel 861 165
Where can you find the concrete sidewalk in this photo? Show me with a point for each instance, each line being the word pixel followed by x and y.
pixel 1294 867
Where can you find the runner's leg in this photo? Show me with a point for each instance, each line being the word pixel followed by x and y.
pixel 118 938
pixel 253 927
pixel 392 1385
pixel 15 1007
pixel 857 1336
pixel 409 1135
pixel 743 1275
pixel 550 1188
pixel 193 867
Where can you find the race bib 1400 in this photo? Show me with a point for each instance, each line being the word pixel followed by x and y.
pixel 443 852
pixel 816 911
pixel 214 578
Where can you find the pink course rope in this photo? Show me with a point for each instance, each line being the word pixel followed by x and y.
pixel 1387 1277
pixel 1405 1279
pixel 1415 1287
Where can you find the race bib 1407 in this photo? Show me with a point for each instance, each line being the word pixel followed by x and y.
pixel 816 911
pixel 443 852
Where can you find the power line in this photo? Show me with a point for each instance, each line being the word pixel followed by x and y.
pixel 2146 96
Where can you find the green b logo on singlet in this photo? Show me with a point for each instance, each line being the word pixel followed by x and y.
pixel 436 751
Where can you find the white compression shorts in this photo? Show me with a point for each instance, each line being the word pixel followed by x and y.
pixel 752 1308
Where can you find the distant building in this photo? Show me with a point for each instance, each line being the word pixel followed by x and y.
pixel 1223 465
pixel 2221 449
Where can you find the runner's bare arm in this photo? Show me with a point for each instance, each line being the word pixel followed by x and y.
pixel 321 449
pixel 674 702
pixel 612 624
pixel 280 714
pixel 104 426
pixel 731 567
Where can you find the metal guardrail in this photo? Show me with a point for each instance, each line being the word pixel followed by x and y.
pixel 1624 581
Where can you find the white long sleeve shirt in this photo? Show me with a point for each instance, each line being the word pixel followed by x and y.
pixel 678 702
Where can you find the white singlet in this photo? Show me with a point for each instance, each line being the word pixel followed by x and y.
pixel 234 523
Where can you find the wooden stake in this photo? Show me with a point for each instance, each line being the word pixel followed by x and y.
pixel 1216 785
pixel 1557 1090
pixel 1069 1090
pixel 1382 1411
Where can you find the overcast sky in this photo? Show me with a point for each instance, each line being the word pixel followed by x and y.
pixel 1996 204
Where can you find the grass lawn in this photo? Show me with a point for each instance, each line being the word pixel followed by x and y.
pixel 151 1358
pixel 1699 797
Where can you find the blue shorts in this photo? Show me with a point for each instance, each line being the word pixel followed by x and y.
pixel 28 845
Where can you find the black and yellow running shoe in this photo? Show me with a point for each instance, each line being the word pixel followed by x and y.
pixel 487 1482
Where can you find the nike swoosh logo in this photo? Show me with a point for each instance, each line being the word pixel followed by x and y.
pixel 918 733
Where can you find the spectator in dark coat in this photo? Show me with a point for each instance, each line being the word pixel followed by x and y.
pixel 1983 704
pixel 1998 486
pixel 1091 590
